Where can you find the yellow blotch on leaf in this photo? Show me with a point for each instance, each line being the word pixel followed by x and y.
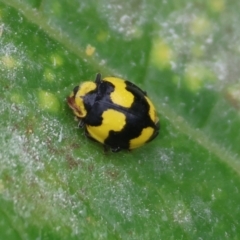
pixel 161 54
pixel 48 101
pixel 49 75
pixel 102 36
pixel 90 50
pixel 56 8
pixel 197 50
pixel 196 76
pixel 217 5
pixel 17 98
pixel 8 62
pixel 200 26
pixel 56 60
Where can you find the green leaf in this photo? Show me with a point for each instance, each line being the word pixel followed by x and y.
pixel 56 184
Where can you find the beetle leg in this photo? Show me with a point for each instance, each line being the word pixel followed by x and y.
pixel 116 149
pixel 87 134
pixel 105 148
pixel 98 78
pixel 81 124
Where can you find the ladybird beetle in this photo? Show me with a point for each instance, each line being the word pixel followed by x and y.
pixel 114 112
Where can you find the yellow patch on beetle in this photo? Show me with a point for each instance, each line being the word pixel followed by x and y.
pixel 112 120
pixel 120 95
pixel 85 88
pixel 152 112
pixel 140 140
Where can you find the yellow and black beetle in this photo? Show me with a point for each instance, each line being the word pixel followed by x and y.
pixel 114 112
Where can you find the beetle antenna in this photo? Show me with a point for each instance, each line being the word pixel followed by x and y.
pixel 98 78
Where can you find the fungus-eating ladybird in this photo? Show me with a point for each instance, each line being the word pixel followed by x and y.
pixel 114 112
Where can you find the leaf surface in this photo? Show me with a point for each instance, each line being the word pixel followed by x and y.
pixel 56 184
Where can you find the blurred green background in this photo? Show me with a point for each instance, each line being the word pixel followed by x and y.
pixel 56 184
